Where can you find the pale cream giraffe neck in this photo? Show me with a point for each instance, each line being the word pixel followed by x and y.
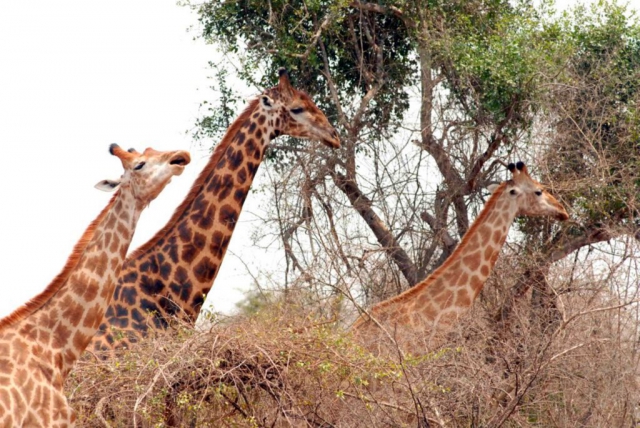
pixel 449 291
pixel 44 345
pixel 415 317
pixel 40 342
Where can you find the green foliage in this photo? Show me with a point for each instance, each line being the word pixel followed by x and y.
pixel 495 61
pixel 598 122
pixel 253 302
pixel 284 33
pixel 221 114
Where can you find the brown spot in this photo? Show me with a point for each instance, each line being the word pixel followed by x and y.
pixel 228 216
pixel 451 276
pixel 235 158
pixel 184 232
pixel 463 280
pixel 219 243
pixel 107 289
pixel 430 312
pixel 262 119
pixel 80 341
pixel 93 317
pixel 72 311
pixel 251 147
pixel 444 299
pixel 476 283
pixel 61 336
pixel 226 187
pixel 124 231
pixel 6 366
pixel 4 381
pixel 205 270
pixel 485 233
pixel 484 270
pixel 242 176
pixel 463 298
pixel 472 260
pixel 101 265
pixel 111 221
pixel 437 287
pixel 497 237
pixel 21 376
pixel 240 138
pixel 113 248
pixel 43 336
pixel 488 252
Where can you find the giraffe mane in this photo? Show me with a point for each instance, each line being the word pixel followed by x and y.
pixel 408 294
pixel 197 186
pixel 54 286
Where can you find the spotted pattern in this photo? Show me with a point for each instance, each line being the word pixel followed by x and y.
pixel 436 303
pixel 195 241
pixel 40 342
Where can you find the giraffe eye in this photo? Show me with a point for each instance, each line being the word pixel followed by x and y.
pixel 297 110
pixel 513 191
pixel 139 166
pixel 539 192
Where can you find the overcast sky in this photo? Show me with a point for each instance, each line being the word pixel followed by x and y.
pixel 76 76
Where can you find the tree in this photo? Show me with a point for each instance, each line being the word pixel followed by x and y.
pixel 475 66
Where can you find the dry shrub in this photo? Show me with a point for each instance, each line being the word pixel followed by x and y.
pixel 281 367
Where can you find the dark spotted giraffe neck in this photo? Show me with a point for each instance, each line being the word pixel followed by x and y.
pixel 172 273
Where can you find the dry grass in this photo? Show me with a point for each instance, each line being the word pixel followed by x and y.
pixel 282 368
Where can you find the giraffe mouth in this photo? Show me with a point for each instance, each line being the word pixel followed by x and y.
pixel 180 159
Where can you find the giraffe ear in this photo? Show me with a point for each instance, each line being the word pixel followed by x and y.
pixel 266 101
pixel 107 185
pixel 492 187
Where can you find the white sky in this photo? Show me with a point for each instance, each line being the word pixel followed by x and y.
pixel 76 76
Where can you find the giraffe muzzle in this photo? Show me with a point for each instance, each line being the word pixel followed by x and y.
pixel 180 158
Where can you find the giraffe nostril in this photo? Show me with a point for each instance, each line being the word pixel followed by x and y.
pixel 178 161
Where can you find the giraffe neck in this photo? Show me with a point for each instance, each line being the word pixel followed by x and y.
pixel 172 273
pixel 451 289
pixel 62 319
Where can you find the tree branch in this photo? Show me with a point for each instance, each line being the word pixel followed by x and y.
pixel 363 206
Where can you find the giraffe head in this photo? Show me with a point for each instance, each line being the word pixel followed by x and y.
pixel 146 173
pixel 295 114
pixel 530 197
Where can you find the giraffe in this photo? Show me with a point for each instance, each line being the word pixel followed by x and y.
pixel 41 340
pixel 413 317
pixel 171 274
